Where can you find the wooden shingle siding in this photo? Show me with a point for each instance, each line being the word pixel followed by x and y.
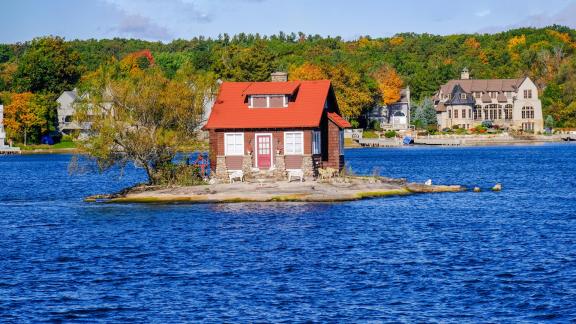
pixel 293 161
pixel 234 162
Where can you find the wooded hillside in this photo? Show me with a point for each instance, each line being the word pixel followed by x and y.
pixel 364 72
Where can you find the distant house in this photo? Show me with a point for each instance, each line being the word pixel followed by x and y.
pixel 395 116
pixel 65 111
pixel 272 127
pixel 508 103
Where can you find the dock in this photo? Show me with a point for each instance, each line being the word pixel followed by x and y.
pixel 10 150
pixel 380 142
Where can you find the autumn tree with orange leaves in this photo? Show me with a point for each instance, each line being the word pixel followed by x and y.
pixel 389 84
pixel 351 89
pixel 20 115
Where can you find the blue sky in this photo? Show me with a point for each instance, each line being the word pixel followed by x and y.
pixel 165 20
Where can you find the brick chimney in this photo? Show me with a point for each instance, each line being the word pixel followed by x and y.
pixel 279 77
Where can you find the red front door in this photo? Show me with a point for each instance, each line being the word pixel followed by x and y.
pixel 264 151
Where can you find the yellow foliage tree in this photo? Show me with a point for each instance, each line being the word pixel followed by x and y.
pixel 20 115
pixel 563 37
pixel 351 91
pixel 389 84
pixel 307 71
pixel 397 41
pixel 513 44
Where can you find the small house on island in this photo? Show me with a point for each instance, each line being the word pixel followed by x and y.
pixel 272 128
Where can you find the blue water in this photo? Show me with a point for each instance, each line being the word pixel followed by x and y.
pixel 465 257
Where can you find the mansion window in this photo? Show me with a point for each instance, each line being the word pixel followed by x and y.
pixel 234 144
pixel 449 113
pixel 455 113
pixel 508 112
pixel 493 95
pixel 478 94
pixel 293 143
pixel 463 96
pixel 493 112
pixel 463 113
pixel 527 94
pixel 267 101
pixel 527 112
pixel 478 112
pixel 316 142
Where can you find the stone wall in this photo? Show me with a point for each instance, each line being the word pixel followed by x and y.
pixel 221 173
pixel 279 167
pixel 308 166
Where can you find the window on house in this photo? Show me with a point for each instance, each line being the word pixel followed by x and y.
pixel 455 113
pixel 463 96
pixel 316 142
pixel 234 144
pixel 293 143
pixel 478 94
pixel 527 112
pixel 493 94
pixel 268 101
pixel 508 112
pixel 449 113
pixel 527 94
pixel 463 113
pixel 341 142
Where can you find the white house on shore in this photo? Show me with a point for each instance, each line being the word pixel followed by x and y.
pixel 509 103
pixel 5 149
pixel 66 110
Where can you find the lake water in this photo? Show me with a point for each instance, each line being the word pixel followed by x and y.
pixel 465 257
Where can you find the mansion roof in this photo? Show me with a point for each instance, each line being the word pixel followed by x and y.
pixel 473 85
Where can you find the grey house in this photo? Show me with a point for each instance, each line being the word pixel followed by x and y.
pixel 395 116
pixel 66 110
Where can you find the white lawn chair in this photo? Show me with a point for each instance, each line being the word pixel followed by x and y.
pixel 237 174
pixel 298 173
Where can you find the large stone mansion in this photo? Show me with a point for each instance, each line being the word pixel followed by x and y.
pixel 508 103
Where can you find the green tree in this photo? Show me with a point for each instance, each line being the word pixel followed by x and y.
pixel 48 64
pixel 142 117
pixel 425 114
pixel 549 122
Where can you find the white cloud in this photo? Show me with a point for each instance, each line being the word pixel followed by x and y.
pixel 483 13
pixel 157 20
pixel 565 17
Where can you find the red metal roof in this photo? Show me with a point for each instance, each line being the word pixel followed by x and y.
pixel 231 111
pixel 280 88
pixel 338 120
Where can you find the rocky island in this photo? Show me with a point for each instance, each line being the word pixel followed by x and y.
pixel 333 190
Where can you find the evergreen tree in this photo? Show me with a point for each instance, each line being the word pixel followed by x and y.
pixel 425 114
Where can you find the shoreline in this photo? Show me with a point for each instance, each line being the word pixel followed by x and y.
pixel 337 190
pixel 459 142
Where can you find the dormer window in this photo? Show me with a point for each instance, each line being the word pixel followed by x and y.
pixel 268 101
pixel 463 96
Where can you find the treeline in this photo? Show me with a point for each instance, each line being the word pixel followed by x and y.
pixel 365 72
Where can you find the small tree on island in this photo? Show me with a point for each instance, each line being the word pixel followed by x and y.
pixel 425 114
pixel 140 116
